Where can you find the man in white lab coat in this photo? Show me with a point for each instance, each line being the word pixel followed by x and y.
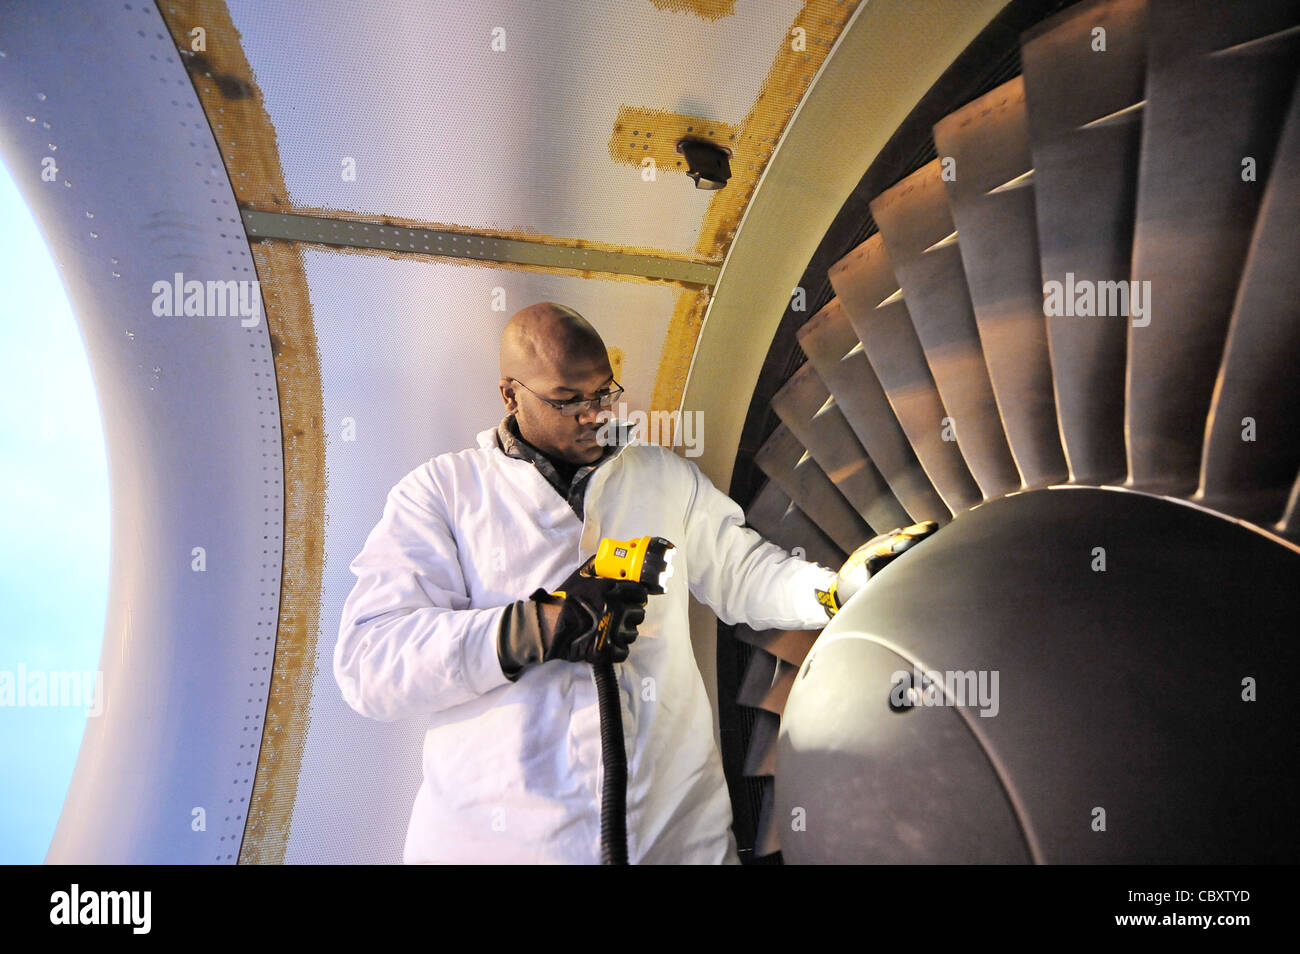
pixel 440 624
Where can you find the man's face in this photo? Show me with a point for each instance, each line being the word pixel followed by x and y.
pixel 549 430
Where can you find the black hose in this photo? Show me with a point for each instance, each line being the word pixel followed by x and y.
pixel 613 759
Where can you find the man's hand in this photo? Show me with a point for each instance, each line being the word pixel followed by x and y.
pixel 868 560
pixel 595 619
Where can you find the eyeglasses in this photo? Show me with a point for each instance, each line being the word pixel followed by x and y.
pixel 575 406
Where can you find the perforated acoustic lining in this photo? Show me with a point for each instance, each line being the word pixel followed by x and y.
pixel 445 128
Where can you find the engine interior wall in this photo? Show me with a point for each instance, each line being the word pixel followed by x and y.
pixel 191 424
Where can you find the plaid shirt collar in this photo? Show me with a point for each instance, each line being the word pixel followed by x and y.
pixel 512 444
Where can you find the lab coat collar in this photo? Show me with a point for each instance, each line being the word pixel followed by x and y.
pixel 622 432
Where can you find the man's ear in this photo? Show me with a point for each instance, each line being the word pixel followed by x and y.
pixel 508 395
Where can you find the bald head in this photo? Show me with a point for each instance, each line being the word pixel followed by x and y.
pixel 547 338
pixel 554 352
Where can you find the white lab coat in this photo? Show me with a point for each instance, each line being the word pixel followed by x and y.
pixel 512 770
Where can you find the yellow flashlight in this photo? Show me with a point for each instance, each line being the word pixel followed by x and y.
pixel 645 560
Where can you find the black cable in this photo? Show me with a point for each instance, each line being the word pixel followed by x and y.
pixel 613 759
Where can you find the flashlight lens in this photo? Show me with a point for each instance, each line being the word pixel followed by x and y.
pixel 667 571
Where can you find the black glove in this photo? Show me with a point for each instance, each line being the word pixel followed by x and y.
pixel 868 560
pixel 598 618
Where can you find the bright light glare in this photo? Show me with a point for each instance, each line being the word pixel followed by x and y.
pixel 54 523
